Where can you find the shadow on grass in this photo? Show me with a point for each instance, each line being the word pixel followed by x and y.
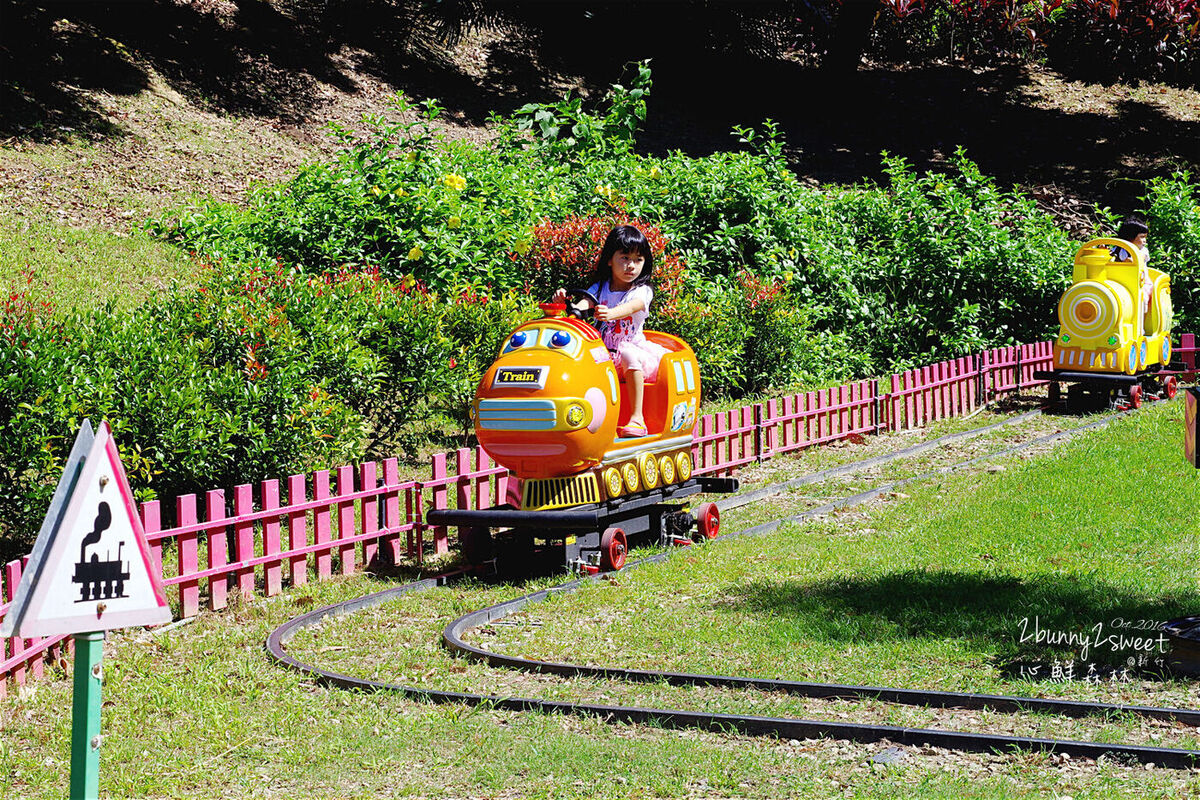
pixel 1015 619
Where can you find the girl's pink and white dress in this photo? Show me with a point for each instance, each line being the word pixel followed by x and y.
pixel 624 336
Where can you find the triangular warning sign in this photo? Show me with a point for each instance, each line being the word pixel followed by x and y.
pixel 90 569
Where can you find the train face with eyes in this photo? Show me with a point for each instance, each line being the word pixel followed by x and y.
pixel 1116 315
pixel 549 407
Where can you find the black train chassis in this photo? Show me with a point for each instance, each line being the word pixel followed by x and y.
pixel 580 529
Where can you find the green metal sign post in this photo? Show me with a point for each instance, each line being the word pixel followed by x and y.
pixel 85 717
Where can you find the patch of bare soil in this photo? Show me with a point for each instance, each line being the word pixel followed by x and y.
pixel 120 126
pixel 116 112
pixel 160 148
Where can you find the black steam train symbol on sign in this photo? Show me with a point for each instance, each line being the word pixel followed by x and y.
pixel 100 580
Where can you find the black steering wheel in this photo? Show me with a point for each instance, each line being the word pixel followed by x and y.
pixel 587 315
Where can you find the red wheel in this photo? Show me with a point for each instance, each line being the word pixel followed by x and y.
pixel 1170 386
pixel 1135 396
pixel 708 521
pixel 613 548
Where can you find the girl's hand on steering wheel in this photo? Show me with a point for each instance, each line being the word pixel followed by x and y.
pixel 581 303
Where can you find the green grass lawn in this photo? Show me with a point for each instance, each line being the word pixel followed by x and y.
pixel 83 268
pixel 925 590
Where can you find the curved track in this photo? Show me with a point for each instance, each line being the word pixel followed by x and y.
pixel 756 725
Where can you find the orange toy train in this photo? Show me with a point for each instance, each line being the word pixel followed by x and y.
pixel 549 408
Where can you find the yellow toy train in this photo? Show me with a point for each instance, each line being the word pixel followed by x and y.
pixel 548 409
pixel 1114 335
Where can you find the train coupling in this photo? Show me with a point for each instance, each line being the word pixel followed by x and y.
pixel 588 564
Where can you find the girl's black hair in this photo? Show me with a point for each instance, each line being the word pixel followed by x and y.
pixel 627 239
pixel 1131 226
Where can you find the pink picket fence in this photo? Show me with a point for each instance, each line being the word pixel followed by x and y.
pixel 279 534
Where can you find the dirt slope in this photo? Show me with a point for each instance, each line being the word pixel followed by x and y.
pixel 142 106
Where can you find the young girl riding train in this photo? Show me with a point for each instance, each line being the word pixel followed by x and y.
pixel 621 286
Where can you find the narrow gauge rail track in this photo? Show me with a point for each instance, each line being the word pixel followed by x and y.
pixel 756 725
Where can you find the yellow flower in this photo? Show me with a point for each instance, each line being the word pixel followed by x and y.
pixel 522 247
pixel 787 277
pixel 454 222
pixel 408 281
pixel 655 172
pixel 415 254
pixel 412 155
pixel 455 182
pixel 375 190
pixel 401 193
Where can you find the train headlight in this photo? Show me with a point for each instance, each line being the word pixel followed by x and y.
pixel 1091 310
pixel 575 415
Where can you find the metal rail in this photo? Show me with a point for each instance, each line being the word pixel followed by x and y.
pixel 755 725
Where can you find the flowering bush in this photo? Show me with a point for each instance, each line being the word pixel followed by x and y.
pixel 478 324
pixel 922 268
pixel 564 253
pixel 255 373
pixel 20 314
pixel 1098 39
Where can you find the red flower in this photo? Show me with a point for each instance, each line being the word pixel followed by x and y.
pixel 563 253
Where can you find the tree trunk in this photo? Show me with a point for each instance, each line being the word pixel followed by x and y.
pixel 851 32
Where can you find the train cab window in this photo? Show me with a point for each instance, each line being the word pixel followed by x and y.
pixel 561 340
pixel 522 338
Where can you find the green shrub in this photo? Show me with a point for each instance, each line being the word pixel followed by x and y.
pixel 1173 215
pixel 184 418
pixel 565 129
pixel 940 264
pixel 708 320
pixel 478 324
pixel 750 336
pixel 925 267
pixel 781 347
pixel 253 374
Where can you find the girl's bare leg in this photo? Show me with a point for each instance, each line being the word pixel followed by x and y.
pixel 637 389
